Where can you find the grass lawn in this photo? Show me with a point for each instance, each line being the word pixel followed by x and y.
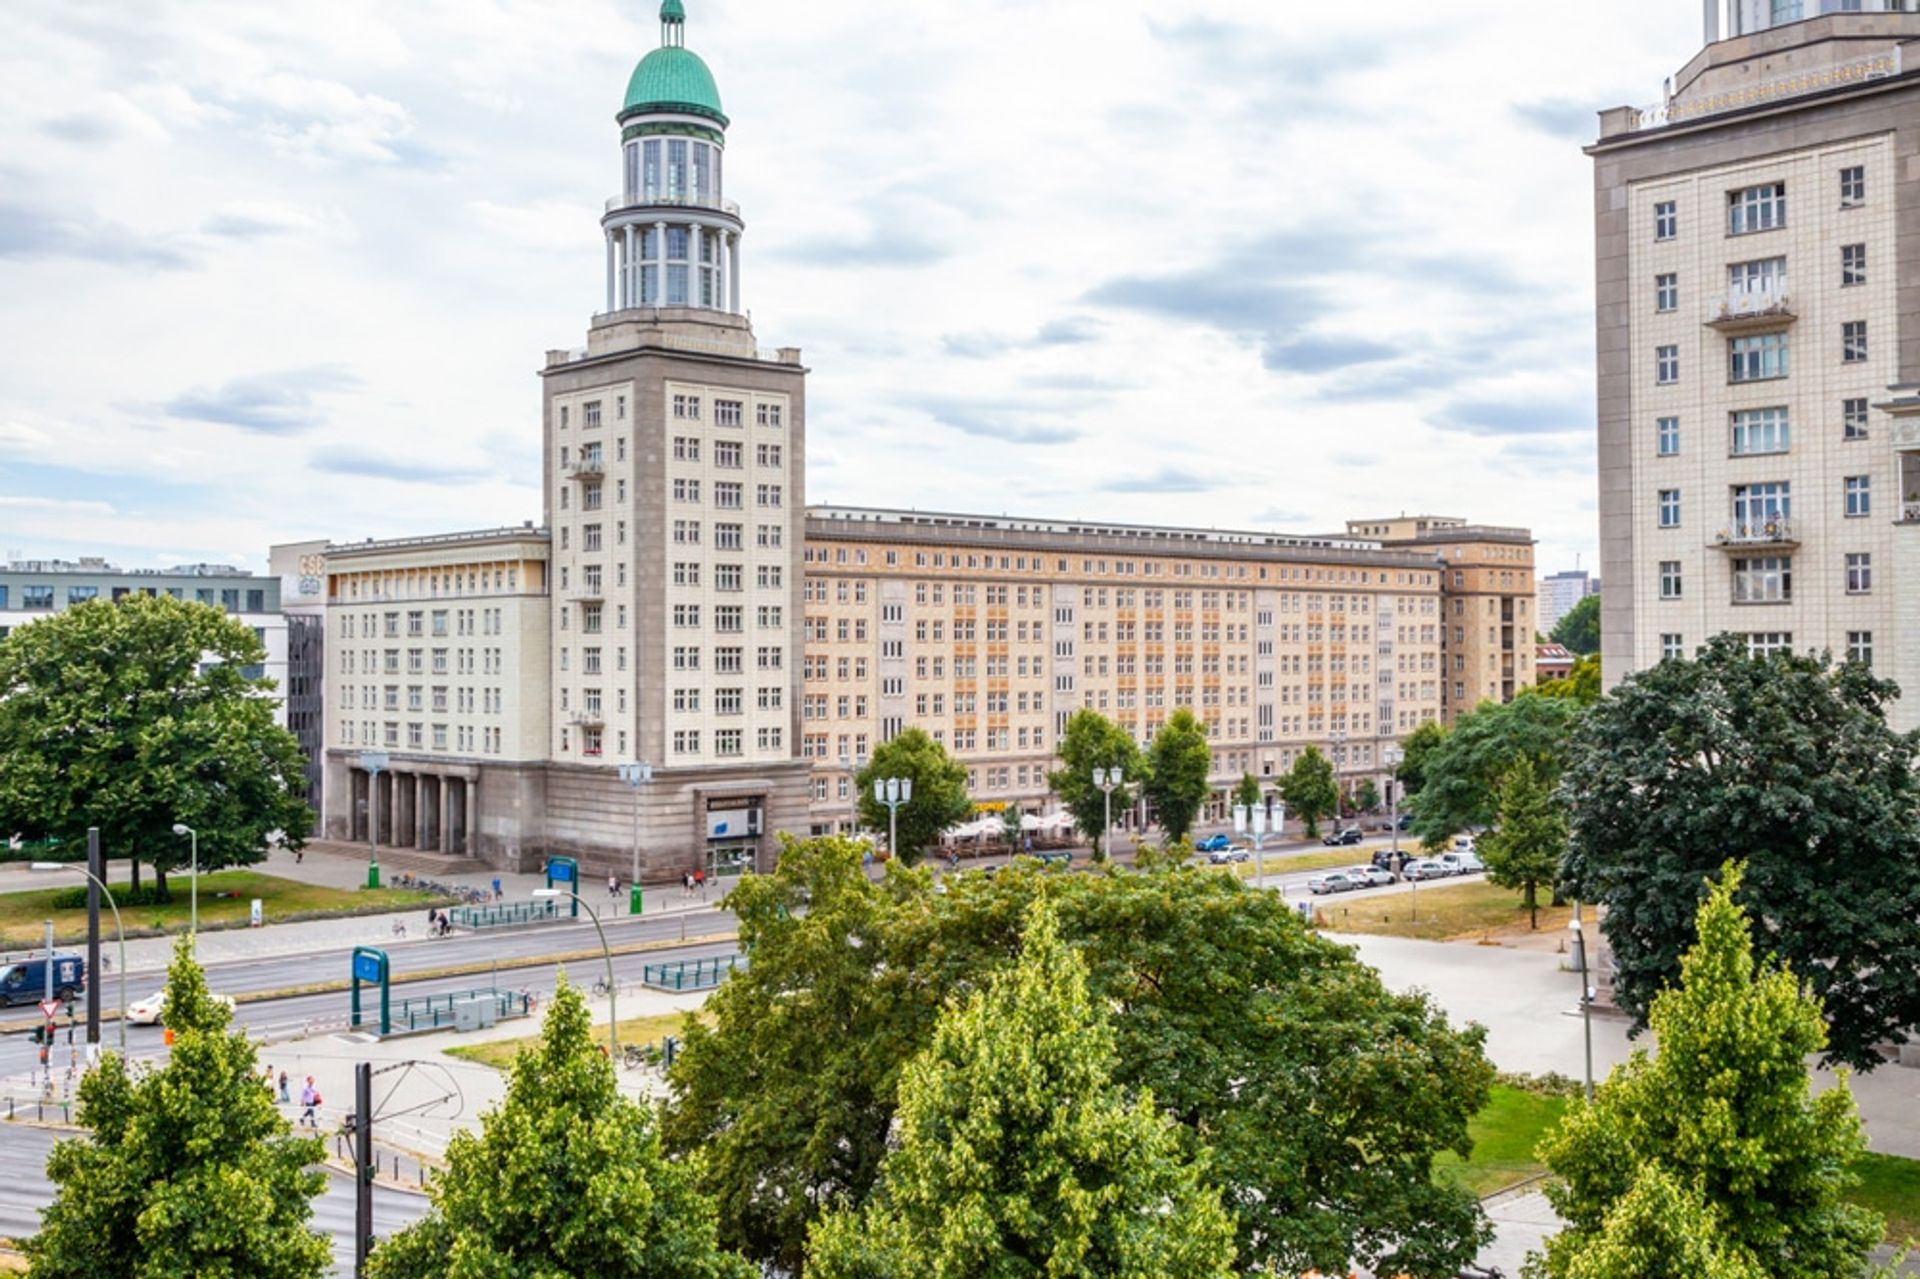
pixel 635 1030
pixel 1890 1186
pixel 23 915
pixel 1447 910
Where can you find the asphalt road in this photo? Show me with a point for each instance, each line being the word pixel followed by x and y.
pixel 24 1191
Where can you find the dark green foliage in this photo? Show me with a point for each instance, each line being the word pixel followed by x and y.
pixel 939 792
pixel 1094 741
pixel 1579 630
pixel 1309 791
pixel 1463 772
pixel 1178 763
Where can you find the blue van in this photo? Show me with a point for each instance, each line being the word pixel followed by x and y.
pixel 25 982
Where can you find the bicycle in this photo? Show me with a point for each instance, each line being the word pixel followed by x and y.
pixel 601 986
pixel 639 1056
pixel 399 929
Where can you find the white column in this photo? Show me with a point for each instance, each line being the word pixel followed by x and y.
pixel 660 262
pixel 633 271
pixel 694 266
pixel 733 272
pixel 610 256
pixel 720 271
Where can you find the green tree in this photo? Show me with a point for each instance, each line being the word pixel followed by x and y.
pixel 939 800
pixel 1524 848
pixel 1246 792
pixel 1018 1153
pixel 1276 1050
pixel 1579 630
pixel 188 1168
pixel 1463 772
pixel 1010 828
pixel 1581 684
pixel 1094 741
pixel 134 715
pixel 1366 796
pixel 565 1178
pixel 1788 759
pixel 1718 1131
pixel 1178 763
pixel 1415 749
pixel 1309 789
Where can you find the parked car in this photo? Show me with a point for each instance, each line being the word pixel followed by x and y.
pixel 1389 860
pixel 1215 843
pixel 1463 843
pixel 1336 882
pixel 1341 838
pixel 146 1012
pixel 1231 853
pixel 1370 876
pixel 1427 868
pixel 26 982
pixel 1463 863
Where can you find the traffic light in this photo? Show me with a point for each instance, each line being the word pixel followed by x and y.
pixel 40 1034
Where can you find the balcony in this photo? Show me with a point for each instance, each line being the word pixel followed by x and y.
pixel 639 200
pixel 588 717
pixel 587 467
pixel 588 592
pixel 1770 533
pixel 1761 309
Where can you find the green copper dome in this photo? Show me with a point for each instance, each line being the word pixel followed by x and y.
pixel 672 77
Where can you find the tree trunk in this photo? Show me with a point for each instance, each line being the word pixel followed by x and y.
pixel 133 874
pixel 1533 906
pixel 160 884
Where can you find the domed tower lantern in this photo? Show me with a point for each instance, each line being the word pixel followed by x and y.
pixel 673 239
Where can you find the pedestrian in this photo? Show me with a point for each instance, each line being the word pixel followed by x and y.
pixel 497 894
pixel 700 882
pixel 268 1080
pixel 686 883
pixel 285 1096
pixel 310 1098
pixel 613 886
pixel 433 919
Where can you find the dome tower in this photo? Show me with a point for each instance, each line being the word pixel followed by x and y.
pixel 673 240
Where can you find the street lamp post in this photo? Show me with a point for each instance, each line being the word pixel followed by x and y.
pixel 375 762
pixel 893 792
pixel 1391 757
pixel 1337 747
pixel 1586 992
pixel 1108 780
pixel 613 1011
pixel 193 920
pixel 1252 819
pixel 636 776
pixel 118 928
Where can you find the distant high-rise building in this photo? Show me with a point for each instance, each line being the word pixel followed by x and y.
pixel 1559 592
pixel 1757 300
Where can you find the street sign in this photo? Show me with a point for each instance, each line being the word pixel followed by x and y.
pixel 49 1007
pixel 561 869
pixel 367 965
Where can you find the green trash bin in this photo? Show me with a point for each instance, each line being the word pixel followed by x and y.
pixel 633 899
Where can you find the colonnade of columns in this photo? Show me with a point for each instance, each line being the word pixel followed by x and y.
pixel 628 263
pixel 426 811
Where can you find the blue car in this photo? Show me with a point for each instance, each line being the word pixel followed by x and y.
pixel 1214 844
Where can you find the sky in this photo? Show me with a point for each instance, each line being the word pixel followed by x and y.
pixel 276 272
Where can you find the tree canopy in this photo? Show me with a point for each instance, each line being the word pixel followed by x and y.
pixel 1246 792
pixel 1712 1157
pixel 565 1178
pixel 1463 771
pixel 1178 762
pixel 1094 741
pixel 1275 1050
pixel 136 714
pixel 1581 684
pixel 1417 747
pixel 188 1167
pixel 1787 760
pixel 939 800
pixel 1309 789
pixel 1579 630
pixel 1017 1152
pixel 1524 848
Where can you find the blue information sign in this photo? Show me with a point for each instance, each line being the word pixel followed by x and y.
pixel 366 967
pixel 560 869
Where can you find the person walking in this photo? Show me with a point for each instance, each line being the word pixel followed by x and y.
pixel 700 882
pixel 310 1098
pixel 285 1096
pixel 613 887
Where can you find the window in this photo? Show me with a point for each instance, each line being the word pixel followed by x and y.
pixel 686 532
pixel 1853 419
pixel 1760 208
pixel 1666 365
pixel 726 413
pixel 1671 646
pixel 768 455
pixel 687 490
pixel 1666 220
pixel 727 537
pixel 590 414
pixel 1859 573
pixel 1666 292
pixel 1767 579
pixel 1767 643
pixel 1669 579
pixel 1760 431
pixel 1860 647
pixel 36 597
pixel 1853 264
pixel 1853 186
pixel 727 453
pixel 767 494
pixel 1756 358
pixel 81 594
pixel 686 406
pixel 1667 436
pixel 1859 491
pixel 1853 342
pixel 727 496
pixel 1669 508
pixel 1759 508
pixel 767 414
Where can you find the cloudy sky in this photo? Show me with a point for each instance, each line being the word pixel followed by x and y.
pixel 280 271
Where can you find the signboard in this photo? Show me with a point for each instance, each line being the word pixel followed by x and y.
pixel 66 972
pixel 366 966
pixel 49 1007
pixel 733 823
pixel 256 919
pixel 560 870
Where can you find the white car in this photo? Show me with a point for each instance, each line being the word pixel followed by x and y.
pixel 146 1012
pixel 1371 876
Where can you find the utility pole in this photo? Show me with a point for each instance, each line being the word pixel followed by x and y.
pixel 893 792
pixel 363 1166
pixel 1108 780
pixel 97 872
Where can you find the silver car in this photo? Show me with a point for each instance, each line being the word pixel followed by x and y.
pixel 1427 868
pixel 1337 882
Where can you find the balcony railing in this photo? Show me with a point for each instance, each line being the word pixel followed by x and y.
pixel 1878 66
pixel 1771 532
pixel 587 718
pixel 586 468
pixel 1748 310
pixel 640 200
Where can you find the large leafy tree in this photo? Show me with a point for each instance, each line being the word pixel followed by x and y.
pixel 1017 1153
pixel 1415 750
pixel 1788 761
pixel 188 1167
pixel 939 791
pixel 1524 848
pixel 1246 792
pixel 565 1178
pixel 1178 762
pixel 1579 630
pixel 1716 1137
pixel 1275 1050
pixel 1309 789
pixel 137 714
pixel 1094 741
pixel 1581 684
pixel 1463 772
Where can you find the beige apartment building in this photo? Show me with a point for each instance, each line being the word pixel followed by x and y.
pixel 1759 431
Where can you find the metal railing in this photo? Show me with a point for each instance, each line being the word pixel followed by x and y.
pixel 430 1012
pixel 691 974
pixel 1758 533
pixel 642 200
pixel 504 914
pixel 1880 66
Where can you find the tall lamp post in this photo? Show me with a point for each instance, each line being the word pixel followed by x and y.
pixel 613 1012
pixel 1579 943
pixel 635 776
pixel 1108 780
pixel 117 928
pixel 1253 819
pixel 1337 747
pixel 193 920
pixel 893 792
pixel 375 762
pixel 1391 757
